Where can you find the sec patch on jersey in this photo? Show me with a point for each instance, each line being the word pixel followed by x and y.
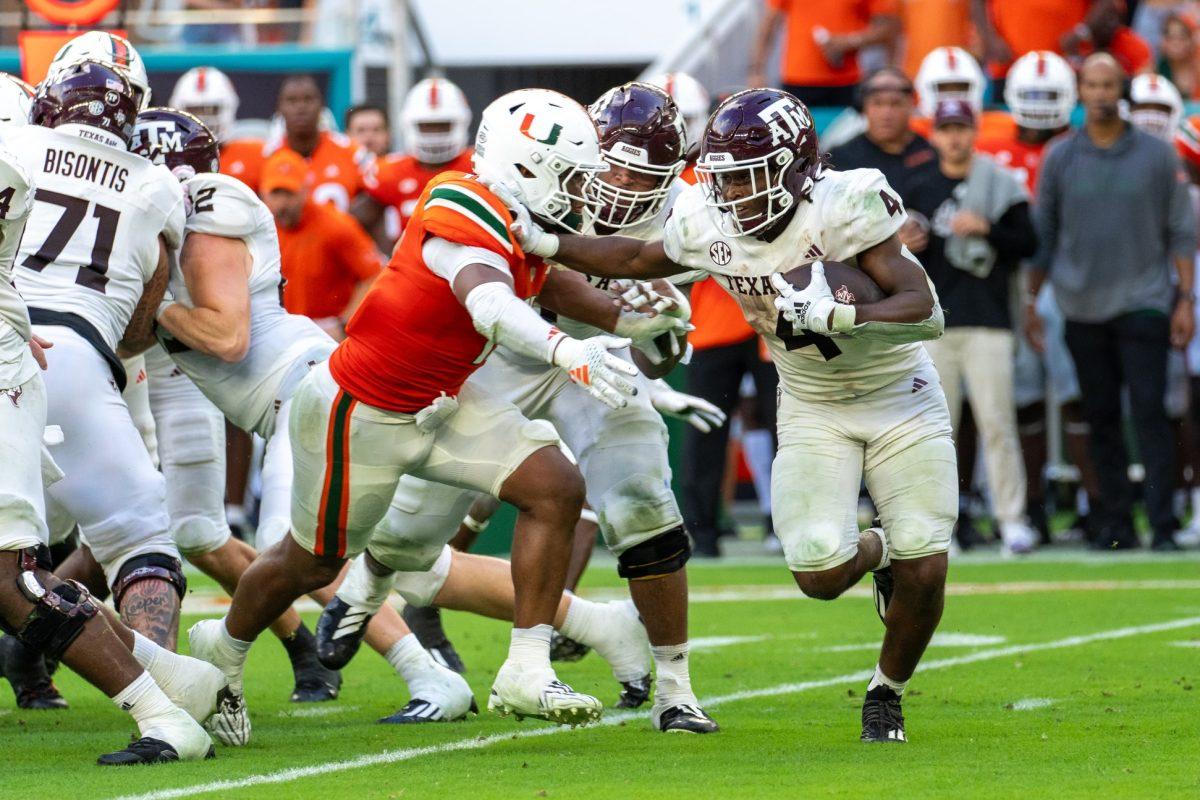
pixel 848 284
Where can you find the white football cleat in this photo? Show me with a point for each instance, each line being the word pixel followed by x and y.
pixel 439 694
pixel 231 722
pixel 540 694
pixel 184 735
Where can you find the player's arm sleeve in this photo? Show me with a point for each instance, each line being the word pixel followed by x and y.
pixel 446 259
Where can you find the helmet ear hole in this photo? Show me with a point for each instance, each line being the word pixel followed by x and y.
pixel 524 171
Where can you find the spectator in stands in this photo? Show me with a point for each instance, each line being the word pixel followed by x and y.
pixel 210 33
pixel 1150 19
pixel 889 144
pixel 820 54
pixel 928 24
pixel 726 350
pixel 980 229
pixel 367 126
pixel 1009 29
pixel 1178 60
pixel 1114 220
pixel 328 261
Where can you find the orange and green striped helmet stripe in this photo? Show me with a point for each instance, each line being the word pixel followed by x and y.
pixel 335 494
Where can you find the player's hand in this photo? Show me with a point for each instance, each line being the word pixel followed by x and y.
pixel 1035 329
pixel 603 375
pixel 913 234
pixel 532 237
pixel 38 347
pixel 695 411
pixel 652 297
pixel 968 223
pixel 1183 323
pixel 642 329
pixel 809 308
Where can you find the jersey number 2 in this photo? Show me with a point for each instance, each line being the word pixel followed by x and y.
pixel 75 209
pixel 793 341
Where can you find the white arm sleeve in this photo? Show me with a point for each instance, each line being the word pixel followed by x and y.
pixel 504 319
pixel 446 259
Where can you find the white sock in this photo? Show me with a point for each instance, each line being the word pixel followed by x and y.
pixel 879 679
pixel 363 588
pixel 408 658
pixel 160 662
pixel 233 654
pixel 145 702
pixel 530 647
pixel 578 624
pixel 674 679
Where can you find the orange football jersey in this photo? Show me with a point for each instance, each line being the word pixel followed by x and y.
pixel 336 168
pixel 411 340
pixel 397 180
pixel 243 159
pixel 1021 157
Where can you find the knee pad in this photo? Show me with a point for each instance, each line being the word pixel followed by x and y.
pixel 420 588
pixel 635 505
pixel 663 554
pixel 197 535
pixel 151 566
pixel 59 615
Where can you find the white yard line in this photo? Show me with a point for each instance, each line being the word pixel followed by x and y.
pixel 478 743
pixel 318 711
pixel 1030 703
pixel 212 601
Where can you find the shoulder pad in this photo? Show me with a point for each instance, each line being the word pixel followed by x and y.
pixel 16 188
pixel 460 209
pixel 221 205
pixel 688 228
pixel 863 210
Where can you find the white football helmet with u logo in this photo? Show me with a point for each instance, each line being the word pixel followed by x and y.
pixel 949 73
pixel 1040 91
pixel 435 101
pixel 207 93
pixel 109 49
pixel 543 148
pixel 1155 106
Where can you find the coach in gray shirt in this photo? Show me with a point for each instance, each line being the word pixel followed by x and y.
pixel 1118 239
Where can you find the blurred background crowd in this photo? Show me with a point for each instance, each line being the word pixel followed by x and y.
pixel 1043 148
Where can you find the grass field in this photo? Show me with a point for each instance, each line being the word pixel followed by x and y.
pixel 1066 675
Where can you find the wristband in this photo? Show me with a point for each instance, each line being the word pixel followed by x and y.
pixel 474 525
pixel 843 318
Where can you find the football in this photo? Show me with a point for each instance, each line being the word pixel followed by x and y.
pixel 848 284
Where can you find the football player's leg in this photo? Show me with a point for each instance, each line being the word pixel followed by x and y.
pixel 112 489
pixel 815 480
pixel 489 446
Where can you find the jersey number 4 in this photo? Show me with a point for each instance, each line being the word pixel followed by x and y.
pixel 793 341
pixel 93 276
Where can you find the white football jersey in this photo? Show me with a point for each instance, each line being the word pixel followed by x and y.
pixel 16 198
pixel 282 345
pixel 850 212
pixel 91 242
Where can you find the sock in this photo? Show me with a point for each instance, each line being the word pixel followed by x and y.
pixel 759 447
pixel 674 679
pixel 145 702
pixel 530 647
pixel 879 679
pixel 363 588
pixel 408 658
pixel 578 623
pixel 301 645
pixel 232 654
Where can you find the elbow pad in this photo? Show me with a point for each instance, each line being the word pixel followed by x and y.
pixel 903 332
pixel 503 319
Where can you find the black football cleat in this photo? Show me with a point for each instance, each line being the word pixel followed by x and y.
pixel 884 583
pixel 426 623
pixel 29 675
pixel 683 718
pixel 420 711
pixel 882 718
pixel 146 750
pixel 315 683
pixel 340 631
pixel 634 694
pixel 566 649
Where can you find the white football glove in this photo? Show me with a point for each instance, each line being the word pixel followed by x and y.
pixel 643 329
pixel 808 309
pixel 603 375
pixel 697 412
pixel 533 238
pixel 644 296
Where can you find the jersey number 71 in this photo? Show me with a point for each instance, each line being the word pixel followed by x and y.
pixel 75 209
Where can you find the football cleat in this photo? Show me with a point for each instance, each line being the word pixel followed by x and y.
pixel 439 694
pixel 884 583
pixel 619 637
pixel 540 694
pixel 426 623
pixel 315 683
pixel 175 737
pixel 146 750
pixel 566 649
pixel 635 693
pixel 419 711
pixel 683 718
pixel 231 722
pixel 882 718
pixel 340 632
pixel 29 676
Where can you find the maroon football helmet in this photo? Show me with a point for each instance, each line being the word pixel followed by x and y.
pixel 759 158
pixel 177 139
pixel 88 93
pixel 642 141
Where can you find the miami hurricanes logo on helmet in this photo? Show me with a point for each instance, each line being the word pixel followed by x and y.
pixel 551 138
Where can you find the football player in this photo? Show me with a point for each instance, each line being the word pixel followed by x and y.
pixel 167 694
pixel 859 395
pixel 1155 106
pixel 1040 93
pixel 210 95
pixel 435 122
pixel 92 267
pixel 109 49
pixel 621 451
pixel 407 356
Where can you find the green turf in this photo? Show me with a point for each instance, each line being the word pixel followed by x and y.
pixel 1122 722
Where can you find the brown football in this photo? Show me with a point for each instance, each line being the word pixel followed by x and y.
pixel 848 284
